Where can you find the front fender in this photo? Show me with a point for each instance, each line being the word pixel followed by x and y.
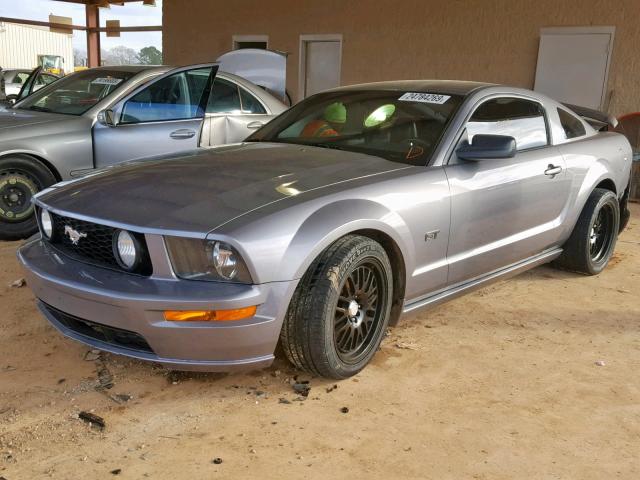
pixel 64 146
pixel 280 245
pixel 335 220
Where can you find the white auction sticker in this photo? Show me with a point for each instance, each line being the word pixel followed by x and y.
pixel 106 81
pixel 424 98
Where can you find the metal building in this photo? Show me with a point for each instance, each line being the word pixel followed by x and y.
pixel 27 46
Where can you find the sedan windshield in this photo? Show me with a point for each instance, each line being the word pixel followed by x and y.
pixel 77 93
pixel 400 126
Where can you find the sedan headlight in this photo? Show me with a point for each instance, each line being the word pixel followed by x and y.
pixel 195 259
pixel 46 223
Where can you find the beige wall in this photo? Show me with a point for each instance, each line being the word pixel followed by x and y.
pixel 484 40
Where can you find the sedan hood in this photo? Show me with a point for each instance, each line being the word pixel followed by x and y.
pixel 15 117
pixel 196 193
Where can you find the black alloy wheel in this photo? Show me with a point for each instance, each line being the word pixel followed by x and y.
pixel 602 233
pixel 359 310
pixel 340 310
pixel 593 239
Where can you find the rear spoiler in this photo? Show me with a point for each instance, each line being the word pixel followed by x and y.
pixel 597 119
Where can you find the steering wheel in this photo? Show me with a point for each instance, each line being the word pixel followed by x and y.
pixel 417 148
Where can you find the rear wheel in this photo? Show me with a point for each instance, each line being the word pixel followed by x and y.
pixel 20 179
pixel 340 310
pixel 593 239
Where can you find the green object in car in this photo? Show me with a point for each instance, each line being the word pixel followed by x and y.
pixel 380 115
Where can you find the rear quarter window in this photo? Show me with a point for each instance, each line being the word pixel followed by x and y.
pixel 572 126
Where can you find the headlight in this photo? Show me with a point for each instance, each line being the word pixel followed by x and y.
pixel 127 250
pixel 195 259
pixel 46 223
pixel 225 260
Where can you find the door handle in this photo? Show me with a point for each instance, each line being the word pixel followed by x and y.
pixel 552 170
pixel 182 134
pixel 254 125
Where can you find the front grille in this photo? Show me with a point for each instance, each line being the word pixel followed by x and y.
pixel 96 246
pixel 111 335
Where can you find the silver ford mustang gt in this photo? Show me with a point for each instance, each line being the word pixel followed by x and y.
pixel 324 226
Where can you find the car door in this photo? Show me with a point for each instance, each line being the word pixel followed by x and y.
pixel 505 210
pixel 163 117
pixel 15 82
pixel 233 113
pixel 25 83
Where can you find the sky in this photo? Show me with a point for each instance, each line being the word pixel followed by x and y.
pixel 132 14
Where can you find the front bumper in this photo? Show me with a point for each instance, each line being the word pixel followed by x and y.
pixel 75 297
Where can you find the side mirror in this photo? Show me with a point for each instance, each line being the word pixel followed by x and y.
pixel 107 117
pixel 488 146
pixel 12 99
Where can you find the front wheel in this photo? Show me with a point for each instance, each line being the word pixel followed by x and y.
pixel 340 310
pixel 593 239
pixel 20 179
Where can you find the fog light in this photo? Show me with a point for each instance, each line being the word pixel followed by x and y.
pixel 209 315
pixel 46 223
pixel 127 250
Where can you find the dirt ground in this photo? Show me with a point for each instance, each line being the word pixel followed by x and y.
pixel 508 382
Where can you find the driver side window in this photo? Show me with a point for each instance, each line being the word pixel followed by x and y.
pixel 176 97
pixel 521 119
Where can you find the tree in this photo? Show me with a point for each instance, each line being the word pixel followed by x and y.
pixel 79 57
pixel 150 56
pixel 121 55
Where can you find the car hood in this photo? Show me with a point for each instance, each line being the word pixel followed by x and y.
pixel 196 193
pixel 15 117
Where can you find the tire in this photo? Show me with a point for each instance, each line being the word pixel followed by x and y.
pixel 625 213
pixel 321 334
pixel 21 177
pixel 593 239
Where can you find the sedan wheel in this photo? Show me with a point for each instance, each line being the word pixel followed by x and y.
pixel 340 310
pixel 20 179
pixel 17 189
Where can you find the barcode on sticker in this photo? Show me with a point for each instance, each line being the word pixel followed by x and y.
pixel 106 81
pixel 424 98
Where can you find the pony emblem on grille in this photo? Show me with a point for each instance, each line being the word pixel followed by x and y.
pixel 74 235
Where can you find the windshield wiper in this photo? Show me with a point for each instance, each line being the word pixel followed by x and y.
pixel 301 143
pixel 332 146
pixel 36 108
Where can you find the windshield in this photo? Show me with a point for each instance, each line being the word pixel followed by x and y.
pixel 77 93
pixel 400 126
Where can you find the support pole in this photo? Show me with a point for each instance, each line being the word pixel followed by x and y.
pixel 93 36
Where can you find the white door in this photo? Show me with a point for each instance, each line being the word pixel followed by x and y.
pixel 573 64
pixel 321 65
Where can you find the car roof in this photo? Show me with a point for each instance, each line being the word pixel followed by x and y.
pixel 134 68
pixel 452 87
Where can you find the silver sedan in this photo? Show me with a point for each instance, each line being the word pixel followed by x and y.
pixel 103 116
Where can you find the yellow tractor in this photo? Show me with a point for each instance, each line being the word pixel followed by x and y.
pixel 52 64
